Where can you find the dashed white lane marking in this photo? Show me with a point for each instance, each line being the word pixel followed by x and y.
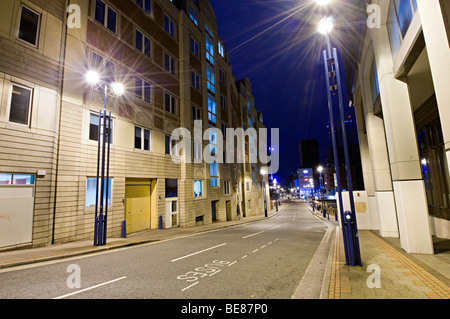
pixel 198 252
pixel 89 288
pixel 252 235
pixel 190 286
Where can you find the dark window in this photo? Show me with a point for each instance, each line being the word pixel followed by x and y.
pixel 105 15
pixel 29 26
pixel 146 5
pixel 137 137
pixel 171 188
pixel 20 105
pixel 141 142
pixel 100 8
pixel 93 128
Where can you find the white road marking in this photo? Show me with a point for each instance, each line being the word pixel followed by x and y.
pixel 276 227
pixel 243 257
pixel 184 289
pixel 255 251
pixel 232 263
pixel 252 235
pixel 198 252
pixel 263 246
pixel 90 288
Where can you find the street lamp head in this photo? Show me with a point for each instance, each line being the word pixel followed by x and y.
pixel 325 26
pixel 92 77
pixel 320 169
pixel 263 171
pixel 323 2
pixel 118 89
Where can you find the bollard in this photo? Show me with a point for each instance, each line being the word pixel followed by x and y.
pixel 160 224
pixel 124 229
pixel 351 241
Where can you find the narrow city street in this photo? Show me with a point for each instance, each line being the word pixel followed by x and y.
pixel 262 260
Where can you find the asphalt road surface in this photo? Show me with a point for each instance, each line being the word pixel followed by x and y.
pixel 261 260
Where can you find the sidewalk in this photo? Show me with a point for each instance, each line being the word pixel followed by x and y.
pixel 22 257
pixel 402 275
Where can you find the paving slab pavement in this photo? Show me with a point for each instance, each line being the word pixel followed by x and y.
pixel 387 271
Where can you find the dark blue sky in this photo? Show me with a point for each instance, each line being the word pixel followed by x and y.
pixel 276 45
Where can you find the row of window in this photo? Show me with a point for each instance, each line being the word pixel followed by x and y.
pixel 91 187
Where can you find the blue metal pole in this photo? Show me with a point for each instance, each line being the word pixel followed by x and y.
pixel 108 134
pixel 98 176
pixel 333 139
pixel 346 154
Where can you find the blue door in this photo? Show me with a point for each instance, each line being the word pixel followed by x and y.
pixel 213 211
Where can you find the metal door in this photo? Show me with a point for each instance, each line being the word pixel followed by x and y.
pixel 137 206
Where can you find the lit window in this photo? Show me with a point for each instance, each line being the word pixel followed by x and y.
pixel 212 109
pixel 221 49
pixel 214 174
pixel 91 189
pixel 198 188
pixel 209 46
pixel 29 26
pixel 16 179
pixel 20 108
pixel 211 82
pixel 400 15
pixel 193 15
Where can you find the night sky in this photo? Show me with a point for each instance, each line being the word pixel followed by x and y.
pixel 276 45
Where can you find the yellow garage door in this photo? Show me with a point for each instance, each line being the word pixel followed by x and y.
pixel 137 205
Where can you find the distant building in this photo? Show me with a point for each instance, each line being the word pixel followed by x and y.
pixel 308 153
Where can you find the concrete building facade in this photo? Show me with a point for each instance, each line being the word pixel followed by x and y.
pixel 401 98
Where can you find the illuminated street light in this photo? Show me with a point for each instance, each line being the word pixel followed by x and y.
pixel 92 77
pixel 103 157
pixel 325 26
pixel 118 89
pixel 323 2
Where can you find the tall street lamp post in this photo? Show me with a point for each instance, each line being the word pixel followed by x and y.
pixel 333 80
pixel 103 154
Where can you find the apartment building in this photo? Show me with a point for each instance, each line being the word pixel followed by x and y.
pixel 31 51
pixel 175 72
pixel 401 97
